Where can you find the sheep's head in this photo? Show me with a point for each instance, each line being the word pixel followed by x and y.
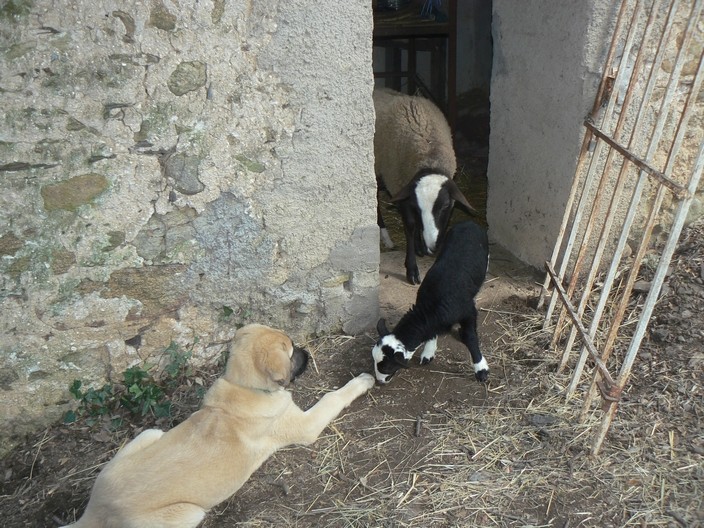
pixel 434 196
pixel 389 354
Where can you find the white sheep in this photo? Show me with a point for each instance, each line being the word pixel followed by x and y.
pixel 415 163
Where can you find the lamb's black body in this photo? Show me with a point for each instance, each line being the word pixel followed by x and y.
pixel 446 295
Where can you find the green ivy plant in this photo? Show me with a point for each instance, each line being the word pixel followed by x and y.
pixel 141 392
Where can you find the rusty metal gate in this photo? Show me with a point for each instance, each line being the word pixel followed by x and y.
pixel 638 171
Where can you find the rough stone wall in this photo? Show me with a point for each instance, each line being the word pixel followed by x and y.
pixel 169 170
pixel 545 74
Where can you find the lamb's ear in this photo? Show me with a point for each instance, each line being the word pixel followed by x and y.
pixel 457 195
pixel 401 359
pixel 404 193
pixel 381 328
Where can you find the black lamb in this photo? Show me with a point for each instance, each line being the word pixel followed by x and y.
pixel 445 298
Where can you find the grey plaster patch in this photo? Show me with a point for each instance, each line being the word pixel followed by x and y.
pixel 238 253
pixel 361 251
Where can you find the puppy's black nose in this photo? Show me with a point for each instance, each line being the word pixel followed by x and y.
pixel 299 362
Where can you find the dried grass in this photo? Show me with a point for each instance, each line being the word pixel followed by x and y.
pixel 517 458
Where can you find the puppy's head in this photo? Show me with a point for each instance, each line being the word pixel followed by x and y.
pixel 389 354
pixel 264 358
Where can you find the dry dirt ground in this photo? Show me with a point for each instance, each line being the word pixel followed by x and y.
pixel 436 448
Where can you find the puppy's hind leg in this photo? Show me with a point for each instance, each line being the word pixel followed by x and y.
pixel 180 515
pixel 305 427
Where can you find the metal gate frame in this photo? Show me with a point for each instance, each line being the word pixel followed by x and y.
pixel 639 108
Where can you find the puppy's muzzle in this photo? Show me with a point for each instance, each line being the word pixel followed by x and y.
pixel 299 362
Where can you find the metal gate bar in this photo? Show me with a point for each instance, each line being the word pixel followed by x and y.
pixel 665 258
pixel 616 194
pixel 655 139
pixel 653 143
pixel 592 168
pixel 575 183
pixel 614 174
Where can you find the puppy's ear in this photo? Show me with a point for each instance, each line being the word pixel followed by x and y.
pixel 276 364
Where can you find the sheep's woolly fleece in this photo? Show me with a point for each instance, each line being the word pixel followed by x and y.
pixel 411 134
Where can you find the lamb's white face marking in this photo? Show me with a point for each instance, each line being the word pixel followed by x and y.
pixel 427 191
pixel 429 350
pixel 389 342
pixel 482 365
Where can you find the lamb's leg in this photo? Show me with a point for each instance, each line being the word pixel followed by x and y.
pixel 409 227
pixel 468 335
pixel 383 232
pixel 431 345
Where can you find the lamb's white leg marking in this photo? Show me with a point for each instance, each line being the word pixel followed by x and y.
pixel 482 365
pixel 386 239
pixel 429 351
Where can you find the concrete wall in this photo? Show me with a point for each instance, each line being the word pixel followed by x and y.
pixel 474 46
pixel 170 170
pixel 547 56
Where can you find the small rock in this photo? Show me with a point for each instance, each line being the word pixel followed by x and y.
pixel 641 286
pixel 659 334
pixel 542 419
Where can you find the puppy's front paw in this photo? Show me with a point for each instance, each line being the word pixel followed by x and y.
pixel 366 380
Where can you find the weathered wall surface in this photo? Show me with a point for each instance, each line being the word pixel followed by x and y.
pixel 169 170
pixel 545 75
pixel 474 46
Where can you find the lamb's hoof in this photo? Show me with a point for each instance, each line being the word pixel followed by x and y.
pixel 482 375
pixel 425 360
pixel 386 239
pixel 413 276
